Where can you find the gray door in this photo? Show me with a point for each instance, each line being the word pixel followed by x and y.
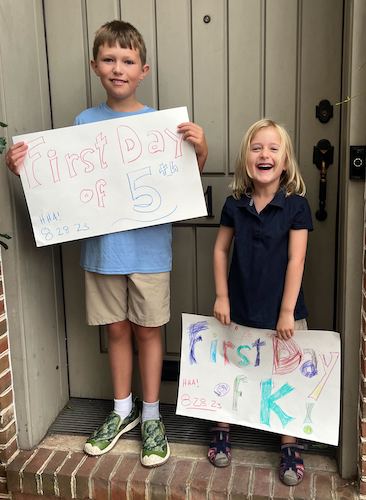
pixel 230 62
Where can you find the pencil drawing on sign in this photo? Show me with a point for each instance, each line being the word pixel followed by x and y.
pixel 260 380
pixel 110 176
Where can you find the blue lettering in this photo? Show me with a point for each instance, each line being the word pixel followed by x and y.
pixel 268 402
pixel 213 351
pixel 193 331
pixel 258 345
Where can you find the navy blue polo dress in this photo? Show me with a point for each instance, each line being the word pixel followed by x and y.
pixel 260 256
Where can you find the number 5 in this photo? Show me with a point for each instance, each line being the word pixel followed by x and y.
pixel 149 198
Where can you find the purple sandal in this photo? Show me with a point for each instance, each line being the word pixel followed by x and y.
pixel 291 464
pixel 219 453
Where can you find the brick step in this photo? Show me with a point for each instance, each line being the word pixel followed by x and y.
pixel 52 472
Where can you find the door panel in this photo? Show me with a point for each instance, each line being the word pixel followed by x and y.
pixel 281 62
pixel 320 79
pixel 205 283
pixel 251 58
pixel 175 55
pixel 209 55
pixel 98 14
pixel 89 375
pixel 183 285
pixel 69 95
pixel 245 70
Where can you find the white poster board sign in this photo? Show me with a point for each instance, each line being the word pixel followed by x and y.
pixel 110 176
pixel 249 377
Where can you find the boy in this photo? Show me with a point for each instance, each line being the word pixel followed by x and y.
pixel 127 273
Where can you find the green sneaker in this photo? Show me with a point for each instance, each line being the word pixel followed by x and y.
pixel 103 439
pixel 155 447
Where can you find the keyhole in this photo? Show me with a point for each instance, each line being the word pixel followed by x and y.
pixel 206 19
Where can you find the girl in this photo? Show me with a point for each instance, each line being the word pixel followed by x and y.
pixel 268 218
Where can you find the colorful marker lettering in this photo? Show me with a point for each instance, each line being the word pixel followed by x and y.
pixel 193 331
pixel 268 402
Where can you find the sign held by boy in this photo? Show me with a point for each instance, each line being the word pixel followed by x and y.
pixel 110 176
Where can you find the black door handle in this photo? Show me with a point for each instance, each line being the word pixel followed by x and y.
pixel 323 157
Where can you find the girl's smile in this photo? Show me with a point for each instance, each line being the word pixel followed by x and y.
pixel 265 162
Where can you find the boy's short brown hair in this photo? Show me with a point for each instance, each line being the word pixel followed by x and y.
pixel 121 33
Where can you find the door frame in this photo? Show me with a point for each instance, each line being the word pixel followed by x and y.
pixel 350 234
pixel 20 263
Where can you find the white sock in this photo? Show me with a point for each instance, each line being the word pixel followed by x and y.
pixel 150 411
pixel 123 407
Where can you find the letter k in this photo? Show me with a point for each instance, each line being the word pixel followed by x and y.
pixel 268 402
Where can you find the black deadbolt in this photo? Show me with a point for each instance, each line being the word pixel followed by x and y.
pixel 324 111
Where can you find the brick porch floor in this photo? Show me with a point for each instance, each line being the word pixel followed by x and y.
pixel 59 469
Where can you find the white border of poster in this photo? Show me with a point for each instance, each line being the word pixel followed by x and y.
pixel 110 176
pixel 250 377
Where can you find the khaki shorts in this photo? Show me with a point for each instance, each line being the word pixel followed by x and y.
pixel 144 299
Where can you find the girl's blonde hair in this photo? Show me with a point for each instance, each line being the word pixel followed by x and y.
pixel 291 180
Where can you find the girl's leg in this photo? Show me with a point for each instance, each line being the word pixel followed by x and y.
pixel 288 440
pixel 219 452
pixel 291 463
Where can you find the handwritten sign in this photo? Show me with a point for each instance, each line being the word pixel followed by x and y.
pixel 110 176
pixel 248 376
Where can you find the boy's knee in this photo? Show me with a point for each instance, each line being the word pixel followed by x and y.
pixel 147 332
pixel 119 328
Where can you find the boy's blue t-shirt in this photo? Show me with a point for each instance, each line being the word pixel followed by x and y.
pixel 143 250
